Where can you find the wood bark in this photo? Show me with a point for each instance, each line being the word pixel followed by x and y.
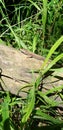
pixel 16 67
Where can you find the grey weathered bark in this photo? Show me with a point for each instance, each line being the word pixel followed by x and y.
pixel 16 66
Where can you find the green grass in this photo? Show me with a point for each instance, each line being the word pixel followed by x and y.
pixel 37 29
pixel 36 26
pixel 38 106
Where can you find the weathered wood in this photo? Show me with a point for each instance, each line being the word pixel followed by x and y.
pixel 16 66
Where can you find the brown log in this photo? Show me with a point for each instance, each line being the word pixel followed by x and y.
pixel 16 66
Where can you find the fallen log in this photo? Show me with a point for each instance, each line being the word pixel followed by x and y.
pixel 15 67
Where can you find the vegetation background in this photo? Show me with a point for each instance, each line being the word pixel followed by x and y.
pixel 34 25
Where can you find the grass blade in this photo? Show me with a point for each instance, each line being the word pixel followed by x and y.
pixel 34 3
pixel 30 105
pixel 54 47
pixel 52 63
pixel 5 112
pixel 44 17
pixel 47 117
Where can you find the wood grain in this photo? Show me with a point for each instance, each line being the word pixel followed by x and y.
pixel 16 66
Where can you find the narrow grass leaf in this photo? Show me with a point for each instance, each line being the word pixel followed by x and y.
pixel 54 47
pixel 52 63
pixel 54 90
pixel 34 3
pixel 44 17
pixel 57 70
pixel 29 106
pixel 48 100
pixel 34 43
pixel 2 4
pixel 5 110
pixel 47 117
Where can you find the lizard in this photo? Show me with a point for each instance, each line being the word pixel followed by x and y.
pixel 32 55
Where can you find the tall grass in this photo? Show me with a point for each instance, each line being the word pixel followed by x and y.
pixel 37 107
pixel 44 18
pixel 33 25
